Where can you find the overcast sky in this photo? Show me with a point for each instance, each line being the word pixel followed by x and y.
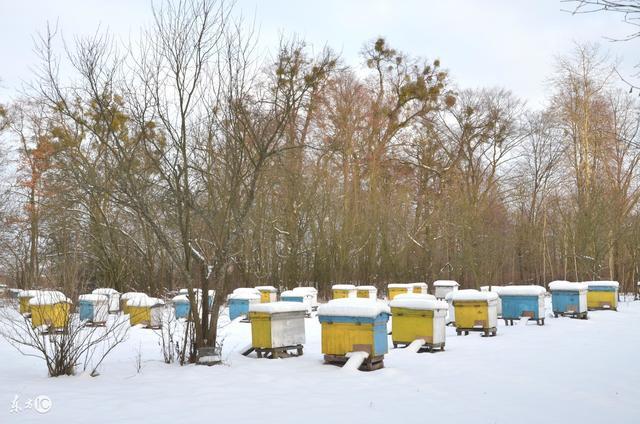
pixel 509 43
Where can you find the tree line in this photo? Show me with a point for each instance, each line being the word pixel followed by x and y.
pixel 189 159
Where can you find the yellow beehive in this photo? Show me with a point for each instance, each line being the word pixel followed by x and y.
pixel 146 311
pixel 395 289
pixel 418 316
pixel 23 298
pixel 420 288
pixel 51 309
pixel 341 291
pixel 475 311
pixel 367 292
pixel 277 324
pixel 267 294
pixel 602 295
pixel 354 325
pixel 126 297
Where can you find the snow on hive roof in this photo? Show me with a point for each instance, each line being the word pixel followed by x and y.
pixel 419 284
pixel 186 291
pixel 93 297
pixel 398 286
pixel 145 302
pixel 366 288
pixel 132 295
pixel 343 287
pixel 602 284
pixel 293 293
pixel 472 295
pixel 312 290
pixel 422 302
pixel 48 297
pixel 181 298
pixel 445 283
pixel 522 290
pixel 267 289
pixel 245 293
pixel 105 291
pixel 567 286
pixel 353 307
pixel 278 307
pixel 28 293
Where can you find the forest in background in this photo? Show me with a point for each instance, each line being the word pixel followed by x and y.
pixel 187 159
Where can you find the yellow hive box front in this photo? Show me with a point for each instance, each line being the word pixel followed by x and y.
pixel 342 338
pixel 260 329
pixel 602 300
pixel 470 314
pixel 55 315
pixel 24 305
pixel 394 291
pixel 340 294
pixel 410 324
pixel 139 315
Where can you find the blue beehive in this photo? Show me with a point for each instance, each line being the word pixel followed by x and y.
pixel 523 302
pixel 181 306
pixel 239 301
pixel 569 299
pixel 292 296
pixel 86 310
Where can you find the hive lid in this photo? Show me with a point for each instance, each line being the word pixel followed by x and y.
pixel 445 283
pixel 267 289
pixel 311 290
pixel 293 293
pixel 366 288
pixel 180 298
pixel 343 287
pixel 472 295
pixel 132 295
pixel 422 302
pixel 28 293
pixel 145 302
pixel 48 297
pixel 567 286
pixel 105 291
pixel 398 286
pixel 529 290
pixel 354 307
pixel 602 284
pixel 419 284
pixel 93 297
pixel 278 307
pixel 245 293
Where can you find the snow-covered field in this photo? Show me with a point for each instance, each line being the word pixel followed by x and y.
pixel 569 371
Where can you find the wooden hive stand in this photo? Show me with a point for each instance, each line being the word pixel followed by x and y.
pixel 276 352
pixel 369 364
pixel 487 332
pixel 427 347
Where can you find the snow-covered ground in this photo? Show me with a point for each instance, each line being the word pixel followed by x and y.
pixel 569 371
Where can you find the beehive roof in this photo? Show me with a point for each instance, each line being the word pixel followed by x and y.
pixel 522 290
pixel 278 307
pixel 567 286
pixel 422 302
pixel 93 297
pixel 445 283
pixel 471 295
pixel 354 307
pixel 105 291
pixel 48 297
pixel 343 287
